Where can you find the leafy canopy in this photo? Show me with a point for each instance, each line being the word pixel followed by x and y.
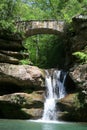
pixel 44 50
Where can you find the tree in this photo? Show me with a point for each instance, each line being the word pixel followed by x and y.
pixel 40 50
pixel 61 9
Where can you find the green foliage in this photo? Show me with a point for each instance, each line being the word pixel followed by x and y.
pixel 60 9
pixel 36 9
pixel 46 51
pixel 81 56
pixel 15 10
pixel 6 14
pixel 7 25
pixel 18 99
pixel 25 62
pixel 79 101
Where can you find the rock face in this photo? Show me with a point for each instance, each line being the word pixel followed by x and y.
pixel 78 42
pixel 21 86
pixel 79 76
pixel 22 105
pixel 10 51
pixel 29 82
pixel 79 39
pixel 75 104
pixel 21 75
pixel 75 40
pixel 73 108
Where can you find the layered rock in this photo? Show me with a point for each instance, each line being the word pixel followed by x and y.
pixel 21 75
pixel 10 51
pixel 23 105
pixel 21 86
pixel 73 107
pixel 11 45
pixel 29 82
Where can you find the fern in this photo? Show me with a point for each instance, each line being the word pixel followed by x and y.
pixel 82 56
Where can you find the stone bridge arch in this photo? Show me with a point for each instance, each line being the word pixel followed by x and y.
pixel 35 27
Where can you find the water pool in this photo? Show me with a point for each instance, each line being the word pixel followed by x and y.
pixel 38 125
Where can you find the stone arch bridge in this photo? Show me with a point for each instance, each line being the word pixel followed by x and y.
pixel 34 27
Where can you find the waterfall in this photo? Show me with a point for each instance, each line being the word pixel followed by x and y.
pixel 55 90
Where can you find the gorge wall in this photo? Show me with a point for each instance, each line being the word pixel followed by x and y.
pixel 74 105
pixel 22 86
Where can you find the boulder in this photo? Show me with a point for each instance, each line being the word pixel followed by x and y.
pixel 14 78
pixel 34 113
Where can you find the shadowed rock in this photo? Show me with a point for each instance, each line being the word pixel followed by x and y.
pixel 26 105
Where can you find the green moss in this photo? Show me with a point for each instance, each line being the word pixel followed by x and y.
pixel 79 101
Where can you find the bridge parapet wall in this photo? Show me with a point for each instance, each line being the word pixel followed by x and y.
pixel 44 24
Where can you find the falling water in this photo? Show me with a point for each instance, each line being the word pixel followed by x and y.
pixel 55 90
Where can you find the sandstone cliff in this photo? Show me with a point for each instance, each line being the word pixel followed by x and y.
pixel 21 86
